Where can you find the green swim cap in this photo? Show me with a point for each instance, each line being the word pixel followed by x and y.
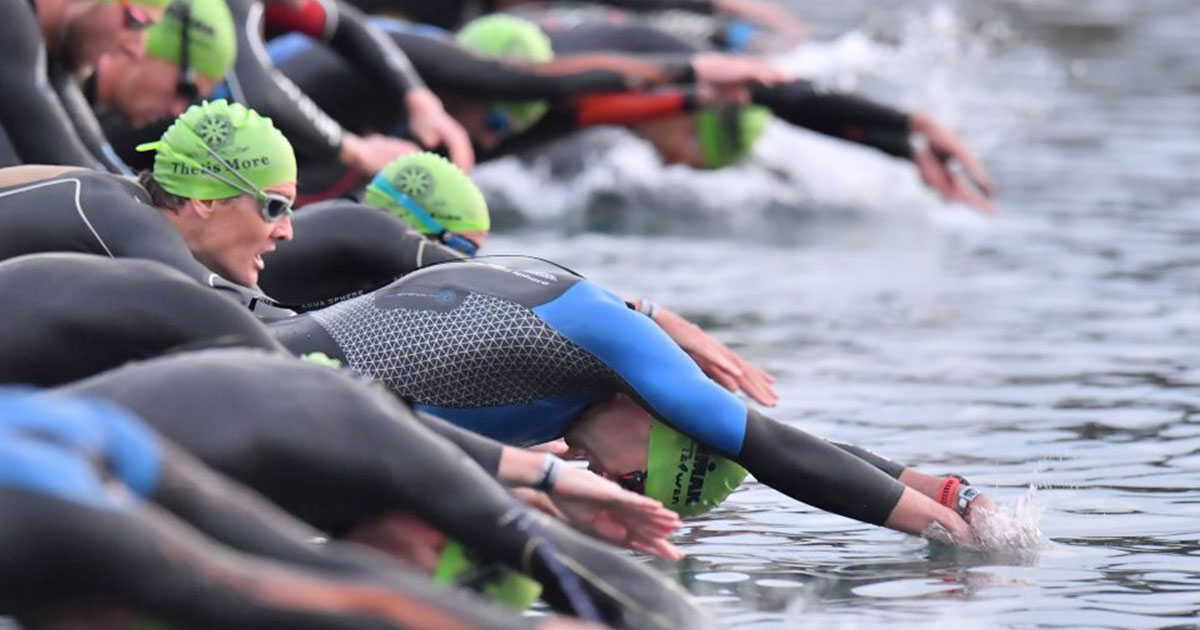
pixel 217 150
pixel 508 587
pixel 438 187
pixel 509 37
pixel 685 475
pixel 212 41
pixel 726 134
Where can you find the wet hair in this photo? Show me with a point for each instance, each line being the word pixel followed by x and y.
pixel 158 195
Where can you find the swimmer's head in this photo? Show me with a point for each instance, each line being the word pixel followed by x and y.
pixel 188 52
pixel 499 584
pixel 435 198
pixel 227 179
pixel 625 443
pixel 513 39
pixel 85 31
pixel 685 475
pixel 712 138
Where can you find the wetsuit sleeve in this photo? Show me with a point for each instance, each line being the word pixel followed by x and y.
pixel 486 452
pixel 889 467
pixel 631 108
pixel 817 472
pixel 447 66
pixel 144 557
pixel 255 82
pixel 345 28
pixel 84 122
pixel 667 382
pixel 32 116
pixel 842 116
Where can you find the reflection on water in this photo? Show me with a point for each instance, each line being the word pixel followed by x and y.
pixel 1054 347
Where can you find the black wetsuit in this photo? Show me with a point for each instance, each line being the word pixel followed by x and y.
pixel 520 354
pixel 38 125
pixel 451 14
pixel 336 451
pixel 69 316
pixel 345 249
pixel 70 539
pixel 801 103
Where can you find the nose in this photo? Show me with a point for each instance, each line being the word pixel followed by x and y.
pixel 282 229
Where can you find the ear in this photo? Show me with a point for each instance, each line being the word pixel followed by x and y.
pixel 200 209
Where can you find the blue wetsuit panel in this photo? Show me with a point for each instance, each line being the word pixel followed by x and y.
pixel 521 425
pixel 34 465
pixel 651 363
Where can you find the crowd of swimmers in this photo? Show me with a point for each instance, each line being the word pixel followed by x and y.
pixel 254 376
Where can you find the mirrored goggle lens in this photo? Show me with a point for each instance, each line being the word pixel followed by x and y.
pixel 274 207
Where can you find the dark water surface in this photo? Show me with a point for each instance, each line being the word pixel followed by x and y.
pixel 1054 347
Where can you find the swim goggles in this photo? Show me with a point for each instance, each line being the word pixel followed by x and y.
pixel 272 206
pixel 435 229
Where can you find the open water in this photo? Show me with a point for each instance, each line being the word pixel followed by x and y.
pixel 1049 355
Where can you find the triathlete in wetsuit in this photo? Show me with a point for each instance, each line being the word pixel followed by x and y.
pixel 520 355
pixel 342 454
pixel 97 508
pixel 45 46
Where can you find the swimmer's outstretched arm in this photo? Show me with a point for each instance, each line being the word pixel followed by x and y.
pixel 848 481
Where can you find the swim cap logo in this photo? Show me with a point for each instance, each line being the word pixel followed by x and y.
pixel 215 130
pixel 415 181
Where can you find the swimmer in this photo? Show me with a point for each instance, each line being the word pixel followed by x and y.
pixel 46 45
pixel 529 356
pixel 307 437
pixel 188 52
pixel 99 513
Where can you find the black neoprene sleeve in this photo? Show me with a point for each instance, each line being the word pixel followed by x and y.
pixel 33 117
pixel 891 468
pixel 485 451
pixel 373 52
pixel 255 82
pixel 816 472
pixel 446 65
pixel 84 121
pixel 839 115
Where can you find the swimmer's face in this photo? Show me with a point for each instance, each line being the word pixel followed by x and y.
pixel 675 140
pixel 614 435
pixel 92 29
pixel 144 90
pixel 230 236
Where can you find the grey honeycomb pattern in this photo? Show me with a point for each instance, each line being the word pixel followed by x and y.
pixel 486 352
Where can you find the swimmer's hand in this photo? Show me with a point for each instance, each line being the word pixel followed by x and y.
pixel 768 15
pixel 432 126
pixel 613 514
pixel 716 360
pixel 371 153
pixel 934 165
pixel 724 70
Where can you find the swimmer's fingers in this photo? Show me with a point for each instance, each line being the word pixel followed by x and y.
pixel 455 137
pixel 968 195
pixel 432 126
pixel 934 173
pixel 948 145
pixel 757 385
pixel 554 447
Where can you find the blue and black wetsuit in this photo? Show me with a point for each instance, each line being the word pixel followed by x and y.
pixel 518 355
pixel 76 479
